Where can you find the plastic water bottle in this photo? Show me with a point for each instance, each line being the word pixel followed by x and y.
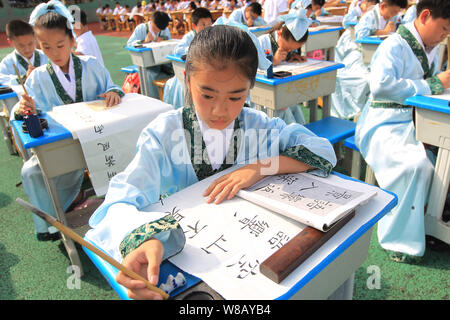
pixel 33 125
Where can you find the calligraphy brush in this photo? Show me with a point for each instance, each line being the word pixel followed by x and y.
pixel 74 236
pixel 20 79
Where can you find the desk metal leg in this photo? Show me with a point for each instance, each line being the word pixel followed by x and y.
pixel 326 106
pixel 312 105
pixel 68 243
pixel 143 81
pixel 433 219
pixel 6 134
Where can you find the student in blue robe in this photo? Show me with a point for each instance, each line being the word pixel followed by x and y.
pixel 21 36
pixel 154 31
pixel 220 70
pixel 404 65
pixel 352 87
pixel 249 15
pixel 65 79
pixel 173 88
pixel 283 42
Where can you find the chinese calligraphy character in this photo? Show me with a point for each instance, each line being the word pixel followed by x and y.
pixel 105 146
pixel 99 129
pixel 215 244
pixel 111 174
pixel 175 213
pixel 245 267
pixel 195 229
pixel 256 227
pixel 109 161
pixel 287 179
pixel 278 240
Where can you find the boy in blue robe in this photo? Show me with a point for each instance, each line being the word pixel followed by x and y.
pixel 154 31
pixel 25 56
pixel 404 65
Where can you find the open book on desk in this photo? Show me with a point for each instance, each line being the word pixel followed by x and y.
pixel 314 201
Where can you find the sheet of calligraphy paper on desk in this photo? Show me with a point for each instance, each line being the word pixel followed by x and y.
pixel 226 243
pixel 296 68
pixel 444 96
pixel 108 136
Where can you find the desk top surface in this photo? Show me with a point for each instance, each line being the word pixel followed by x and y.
pixel 429 103
pixel 277 81
pixel 361 226
pixel 4 96
pixel 143 49
pixel 330 29
pixel 55 132
pixel 370 40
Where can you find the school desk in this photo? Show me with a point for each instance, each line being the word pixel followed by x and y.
pixel 368 47
pixel 328 273
pixel 331 20
pixel 143 58
pixel 259 30
pixel 57 153
pixel 275 94
pixel 7 101
pixel 323 37
pixel 433 127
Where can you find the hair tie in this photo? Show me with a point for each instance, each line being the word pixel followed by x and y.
pixel 296 22
pixel 53 6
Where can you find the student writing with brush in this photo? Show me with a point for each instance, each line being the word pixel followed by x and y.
pixel 213 132
pixel 65 79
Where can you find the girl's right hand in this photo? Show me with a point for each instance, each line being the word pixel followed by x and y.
pixel 145 261
pixel 26 105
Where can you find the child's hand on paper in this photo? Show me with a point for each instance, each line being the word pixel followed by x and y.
pixel 145 261
pixel 297 57
pixel 228 185
pixel 111 98
pixel 445 79
pixel 26 105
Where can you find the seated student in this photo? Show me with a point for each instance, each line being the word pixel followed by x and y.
pixel 273 8
pixel 173 88
pixel 411 13
pixel 354 14
pixel 382 20
pixel 314 8
pixel 20 35
pixel 117 8
pixel 154 31
pixel 65 79
pixel 404 65
pixel 352 83
pixel 283 43
pixel 86 43
pixel 249 15
pixel 220 70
